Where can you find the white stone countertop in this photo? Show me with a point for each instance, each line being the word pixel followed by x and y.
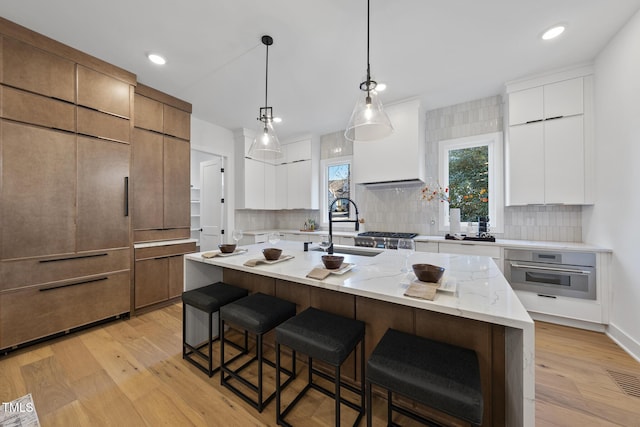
pixel 482 293
pixel 162 243
pixel 510 243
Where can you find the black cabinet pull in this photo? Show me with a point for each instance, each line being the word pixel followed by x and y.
pixel 84 282
pixel 553 118
pixel 126 196
pixel 73 257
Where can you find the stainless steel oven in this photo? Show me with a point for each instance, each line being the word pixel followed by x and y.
pixel 547 273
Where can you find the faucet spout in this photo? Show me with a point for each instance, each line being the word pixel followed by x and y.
pixel 356 221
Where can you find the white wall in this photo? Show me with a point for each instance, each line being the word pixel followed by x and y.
pixel 613 221
pixel 214 139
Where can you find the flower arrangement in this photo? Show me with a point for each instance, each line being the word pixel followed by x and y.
pixel 435 192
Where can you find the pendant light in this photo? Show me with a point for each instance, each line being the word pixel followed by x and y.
pixel 368 121
pixel 266 145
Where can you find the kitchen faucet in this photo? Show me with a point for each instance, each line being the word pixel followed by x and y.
pixel 330 248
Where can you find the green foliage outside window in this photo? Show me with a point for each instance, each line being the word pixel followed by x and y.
pixel 469 182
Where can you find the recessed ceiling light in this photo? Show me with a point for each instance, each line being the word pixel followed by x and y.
pixel 381 86
pixel 553 32
pixel 277 119
pixel 156 59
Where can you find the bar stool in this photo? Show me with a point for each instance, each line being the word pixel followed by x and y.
pixel 441 376
pixel 329 338
pixel 208 299
pixel 258 314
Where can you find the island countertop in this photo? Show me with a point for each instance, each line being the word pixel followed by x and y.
pixel 482 293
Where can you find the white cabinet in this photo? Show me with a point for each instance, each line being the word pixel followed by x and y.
pixel 549 156
pixel 291 183
pixel 400 157
pixel 195 214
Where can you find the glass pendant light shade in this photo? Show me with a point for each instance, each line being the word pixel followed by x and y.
pixel 368 120
pixel 266 145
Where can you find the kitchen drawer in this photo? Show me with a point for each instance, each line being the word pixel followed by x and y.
pixel 25 272
pixel 40 110
pixel 39 311
pixel 165 250
pixel 35 70
pixel 570 308
pixel 470 249
pixel 101 125
pixel 427 247
pixel 103 93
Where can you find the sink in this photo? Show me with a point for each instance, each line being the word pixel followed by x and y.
pixel 351 250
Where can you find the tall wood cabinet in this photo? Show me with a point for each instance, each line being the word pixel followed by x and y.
pixel 161 195
pixel 65 258
pixel 161 166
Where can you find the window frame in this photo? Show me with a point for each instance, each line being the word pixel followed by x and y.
pixel 324 188
pixel 495 143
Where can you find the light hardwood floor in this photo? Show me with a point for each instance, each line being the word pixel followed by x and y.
pixel 131 373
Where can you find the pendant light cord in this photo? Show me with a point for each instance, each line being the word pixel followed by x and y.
pixel 368 63
pixel 266 80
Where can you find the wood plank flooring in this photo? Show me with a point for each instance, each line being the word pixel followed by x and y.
pixel 131 373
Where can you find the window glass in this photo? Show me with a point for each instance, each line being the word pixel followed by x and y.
pixel 471 168
pixel 469 182
pixel 336 183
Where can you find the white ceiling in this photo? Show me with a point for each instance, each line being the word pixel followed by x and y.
pixel 445 52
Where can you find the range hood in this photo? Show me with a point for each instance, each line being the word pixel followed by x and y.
pixel 399 159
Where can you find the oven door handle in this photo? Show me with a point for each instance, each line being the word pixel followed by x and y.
pixel 558 269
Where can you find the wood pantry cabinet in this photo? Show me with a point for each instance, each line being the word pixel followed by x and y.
pixel 549 151
pixel 65 259
pixel 161 166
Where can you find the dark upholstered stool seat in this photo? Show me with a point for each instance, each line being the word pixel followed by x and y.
pixel 439 375
pixel 321 335
pixel 329 338
pixel 257 313
pixel 208 299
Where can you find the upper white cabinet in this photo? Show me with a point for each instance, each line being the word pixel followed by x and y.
pixel 290 183
pixel 549 150
pixel 400 157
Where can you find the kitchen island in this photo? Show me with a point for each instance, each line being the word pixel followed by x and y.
pixel 483 313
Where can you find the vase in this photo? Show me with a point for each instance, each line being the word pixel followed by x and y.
pixel 454 221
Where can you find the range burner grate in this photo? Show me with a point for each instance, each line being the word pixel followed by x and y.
pixel 388 235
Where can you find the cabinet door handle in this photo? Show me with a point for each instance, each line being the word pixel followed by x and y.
pixel 553 118
pixel 73 257
pixel 126 196
pixel 84 282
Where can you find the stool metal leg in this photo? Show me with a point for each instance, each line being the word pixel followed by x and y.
pixel 369 411
pixel 389 408
pixel 210 345
pixel 338 395
pixel 259 352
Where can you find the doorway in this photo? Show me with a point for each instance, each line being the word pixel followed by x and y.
pixel 208 211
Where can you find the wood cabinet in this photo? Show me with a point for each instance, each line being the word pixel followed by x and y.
pixel 159 273
pixel 550 145
pixel 27 67
pixel 65 230
pixel 161 166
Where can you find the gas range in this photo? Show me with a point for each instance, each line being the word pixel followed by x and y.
pixel 381 239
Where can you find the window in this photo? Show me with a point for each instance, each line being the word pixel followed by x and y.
pixel 472 169
pixel 336 183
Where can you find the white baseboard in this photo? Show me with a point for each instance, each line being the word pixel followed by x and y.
pixel 627 343
pixel 565 321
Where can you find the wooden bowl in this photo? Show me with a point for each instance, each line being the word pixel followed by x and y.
pixel 227 248
pixel 428 272
pixel 272 254
pixel 332 262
